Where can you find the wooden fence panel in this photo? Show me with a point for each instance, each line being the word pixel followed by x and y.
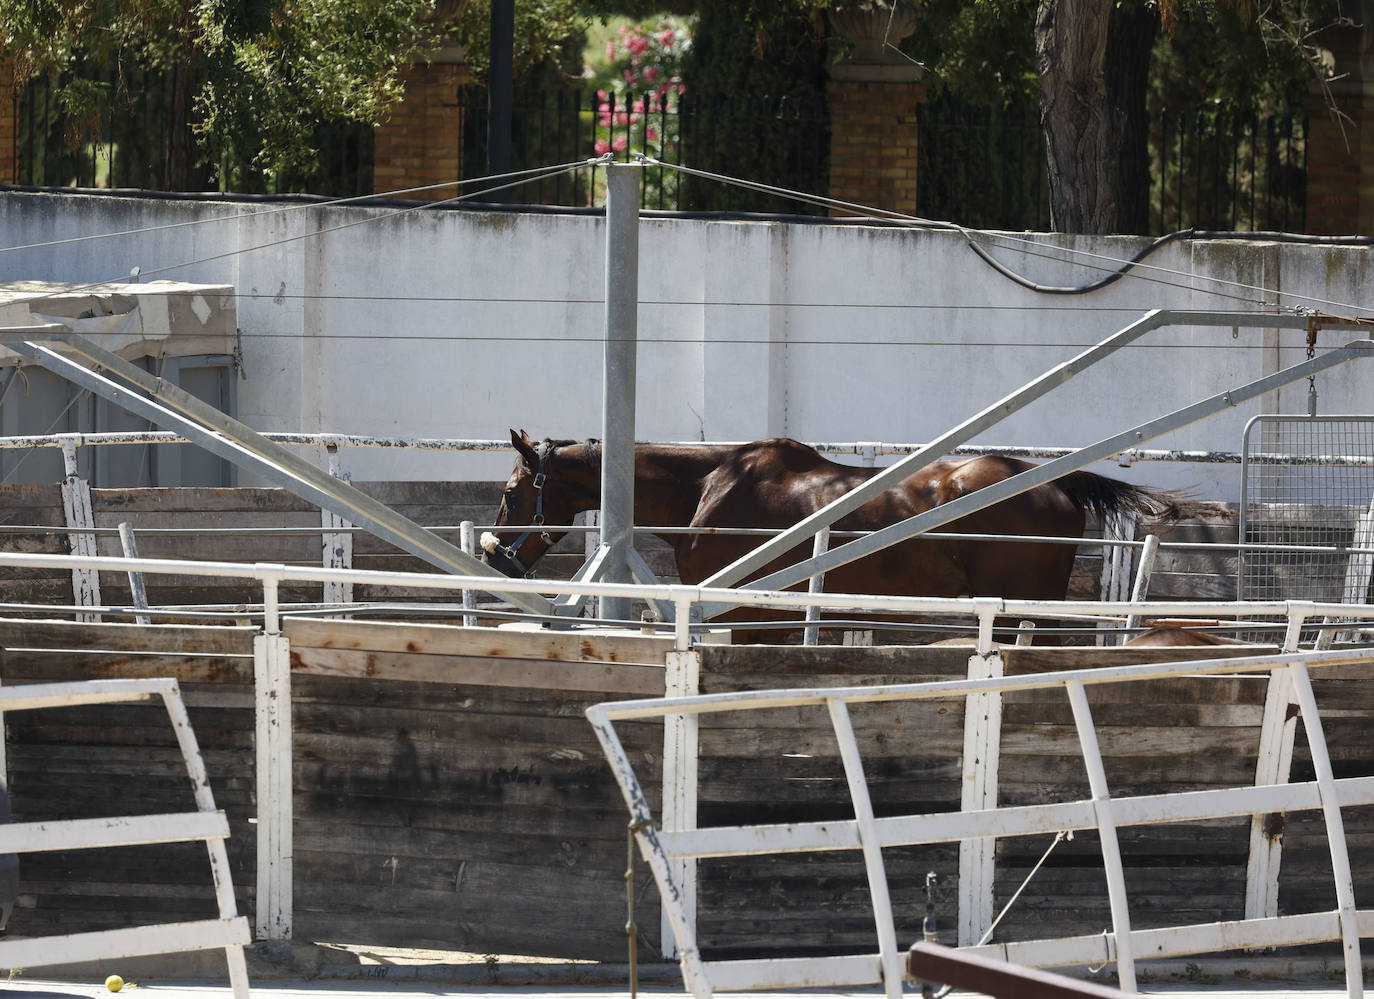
pixel 449 792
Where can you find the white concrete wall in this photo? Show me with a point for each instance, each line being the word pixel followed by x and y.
pixel 463 324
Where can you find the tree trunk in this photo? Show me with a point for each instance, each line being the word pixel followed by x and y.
pixel 180 171
pixel 1093 60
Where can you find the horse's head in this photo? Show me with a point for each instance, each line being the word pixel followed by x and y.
pixel 530 501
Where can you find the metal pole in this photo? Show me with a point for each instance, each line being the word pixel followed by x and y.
pixel 618 389
pixel 137 589
pixel 1142 577
pixel 811 635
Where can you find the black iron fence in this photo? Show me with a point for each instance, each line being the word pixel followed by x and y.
pixel 135 137
pixel 780 142
pixel 1214 169
pixel 982 167
pixel 979 166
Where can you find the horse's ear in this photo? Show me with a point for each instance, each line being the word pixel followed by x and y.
pixel 523 444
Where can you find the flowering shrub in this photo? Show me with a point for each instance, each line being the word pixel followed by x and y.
pixel 636 107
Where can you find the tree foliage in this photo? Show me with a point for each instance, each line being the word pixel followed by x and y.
pixel 259 81
pixel 274 73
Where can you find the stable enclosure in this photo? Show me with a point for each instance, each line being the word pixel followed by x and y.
pixel 445 790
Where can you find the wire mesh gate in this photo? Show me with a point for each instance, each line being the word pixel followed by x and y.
pixel 1307 482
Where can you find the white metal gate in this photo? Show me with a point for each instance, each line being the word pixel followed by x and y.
pixel 668 850
pixel 206 823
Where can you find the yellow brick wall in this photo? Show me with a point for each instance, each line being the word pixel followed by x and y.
pixel 422 142
pixel 873 143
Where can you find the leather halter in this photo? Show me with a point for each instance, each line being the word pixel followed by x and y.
pixel 542 452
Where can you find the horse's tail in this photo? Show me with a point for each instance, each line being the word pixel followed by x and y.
pixel 1098 494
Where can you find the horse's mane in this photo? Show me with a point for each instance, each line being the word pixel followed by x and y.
pixel 591 454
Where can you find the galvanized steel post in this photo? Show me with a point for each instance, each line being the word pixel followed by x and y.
pixel 618 387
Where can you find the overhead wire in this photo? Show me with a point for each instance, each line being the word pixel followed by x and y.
pixel 327 203
pixel 545 174
pixel 1115 267
pixel 1037 248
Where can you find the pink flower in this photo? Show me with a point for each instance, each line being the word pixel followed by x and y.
pixel 638 107
pixel 602 147
pixel 610 51
pixel 601 95
pixel 650 73
pixel 651 134
pixel 637 44
pixel 622 117
pixel 629 77
pixel 619 143
pixel 666 38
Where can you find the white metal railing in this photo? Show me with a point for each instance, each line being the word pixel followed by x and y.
pixel 867 451
pixel 669 850
pixel 684 597
pixel 229 931
pixel 272 672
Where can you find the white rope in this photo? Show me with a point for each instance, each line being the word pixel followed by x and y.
pixel 1061 835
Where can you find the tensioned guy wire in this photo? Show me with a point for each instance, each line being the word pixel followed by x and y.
pixel 550 173
pixel 1169 277
pixel 1034 248
pixel 330 203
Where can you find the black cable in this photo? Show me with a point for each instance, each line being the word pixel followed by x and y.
pixel 1155 244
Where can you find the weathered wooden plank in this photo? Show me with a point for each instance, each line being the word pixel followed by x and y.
pixel 307 688
pixel 286 549
pixel 16 666
pixel 384 636
pixel 479 670
pixel 116 637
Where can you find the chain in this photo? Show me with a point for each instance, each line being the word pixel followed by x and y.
pixel 1313 324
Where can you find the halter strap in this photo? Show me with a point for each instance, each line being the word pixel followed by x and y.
pixel 542 452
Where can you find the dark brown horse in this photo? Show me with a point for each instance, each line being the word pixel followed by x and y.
pixel 775 483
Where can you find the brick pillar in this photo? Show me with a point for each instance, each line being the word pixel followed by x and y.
pixel 1340 153
pixel 422 142
pixel 9 125
pixel 873 142
pixel 873 99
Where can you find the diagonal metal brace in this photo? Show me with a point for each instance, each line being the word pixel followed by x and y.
pixel 994 414
pixel 222 435
pixel 1029 479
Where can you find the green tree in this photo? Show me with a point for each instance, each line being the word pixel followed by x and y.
pixel 252 80
pixel 255 83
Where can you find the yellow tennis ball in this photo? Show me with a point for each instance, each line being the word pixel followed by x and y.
pixel 114 983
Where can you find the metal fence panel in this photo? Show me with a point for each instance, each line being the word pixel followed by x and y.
pixel 1306 481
